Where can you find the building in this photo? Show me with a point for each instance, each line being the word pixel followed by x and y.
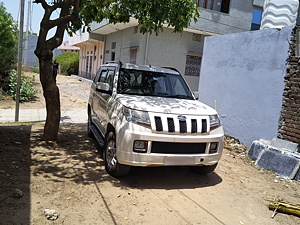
pixel 66 47
pixel 183 51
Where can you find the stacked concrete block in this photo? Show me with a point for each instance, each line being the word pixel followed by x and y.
pixel 279 156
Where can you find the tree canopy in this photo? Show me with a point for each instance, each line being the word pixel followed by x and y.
pixel 8 40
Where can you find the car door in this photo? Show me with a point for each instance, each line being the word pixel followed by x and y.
pixel 103 107
pixel 94 97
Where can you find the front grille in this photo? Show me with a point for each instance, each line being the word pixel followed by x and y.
pixel 182 125
pixel 178 148
pixel 173 124
pixel 204 126
pixel 158 123
pixel 194 126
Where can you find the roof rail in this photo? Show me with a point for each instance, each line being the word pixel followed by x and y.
pixel 171 68
pixel 118 62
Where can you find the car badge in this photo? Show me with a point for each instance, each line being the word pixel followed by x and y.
pixel 181 118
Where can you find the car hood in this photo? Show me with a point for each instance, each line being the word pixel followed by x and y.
pixel 165 105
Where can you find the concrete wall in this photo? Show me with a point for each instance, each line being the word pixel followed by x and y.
pixel 237 20
pixel 244 73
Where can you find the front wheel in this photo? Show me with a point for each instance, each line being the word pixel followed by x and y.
pixel 203 170
pixel 112 166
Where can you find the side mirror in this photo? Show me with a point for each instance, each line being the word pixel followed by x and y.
pixel 102 87
pixel 196 94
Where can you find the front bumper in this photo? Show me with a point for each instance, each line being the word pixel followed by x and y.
pixel 129 132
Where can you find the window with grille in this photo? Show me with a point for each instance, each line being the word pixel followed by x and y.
pixel 192 66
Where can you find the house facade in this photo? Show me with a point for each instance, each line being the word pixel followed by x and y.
pixel 183 51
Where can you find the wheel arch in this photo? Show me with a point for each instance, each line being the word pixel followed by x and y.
pixel 110 128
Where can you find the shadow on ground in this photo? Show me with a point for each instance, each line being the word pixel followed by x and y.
pixel 77 157
pixel 74 158
pixel 15 174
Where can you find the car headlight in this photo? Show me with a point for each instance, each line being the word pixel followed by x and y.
pixel 138 117
pixel 214 122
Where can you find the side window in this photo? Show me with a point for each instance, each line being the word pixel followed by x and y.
pixel 96 78
pixel 106 76
pixel 110 78
pixel 103 75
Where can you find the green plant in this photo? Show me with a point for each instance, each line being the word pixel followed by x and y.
pixel 27 91
pixel 8 40
pixel 36 69
pixel 69 63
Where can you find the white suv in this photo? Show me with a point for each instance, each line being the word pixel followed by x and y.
pixel 148 116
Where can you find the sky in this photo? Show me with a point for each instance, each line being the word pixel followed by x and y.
pixel 14 8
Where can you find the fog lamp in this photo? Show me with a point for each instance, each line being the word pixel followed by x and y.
pixel 140 146
pixel 213 147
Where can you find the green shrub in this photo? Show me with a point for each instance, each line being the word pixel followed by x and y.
pixel 8 40
pixel 36 69
pixel 69 63
pixel 27 91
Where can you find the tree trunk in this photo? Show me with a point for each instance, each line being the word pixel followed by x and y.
pixel 51 94
pixel 44 48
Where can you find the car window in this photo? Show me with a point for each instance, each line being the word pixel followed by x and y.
pixel 177 87
pixel 110 78
pixel 102 77
pixel 96 78
pixel 139 82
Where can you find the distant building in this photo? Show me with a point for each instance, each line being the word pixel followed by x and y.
pixel 29 58
pixel 183 51
pixel 66 47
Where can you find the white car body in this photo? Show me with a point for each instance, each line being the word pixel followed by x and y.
pixel 171 131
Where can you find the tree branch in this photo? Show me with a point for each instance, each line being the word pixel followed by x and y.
pixel 43 3
pixel 64 18
pixel 60 20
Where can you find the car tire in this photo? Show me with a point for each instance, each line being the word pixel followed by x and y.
pixel 89 126
pixel 203 170
pixel 112 166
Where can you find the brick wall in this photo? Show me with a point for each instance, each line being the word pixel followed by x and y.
pixel 289 122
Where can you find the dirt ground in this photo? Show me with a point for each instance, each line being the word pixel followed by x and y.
pixel 69 177
pixel 74 97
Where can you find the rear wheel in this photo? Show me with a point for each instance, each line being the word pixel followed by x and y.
pixel 203 170
pixel 112 166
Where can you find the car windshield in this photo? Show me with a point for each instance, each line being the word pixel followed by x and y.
pixel 149 83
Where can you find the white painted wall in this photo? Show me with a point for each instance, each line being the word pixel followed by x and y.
pixel 244 73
